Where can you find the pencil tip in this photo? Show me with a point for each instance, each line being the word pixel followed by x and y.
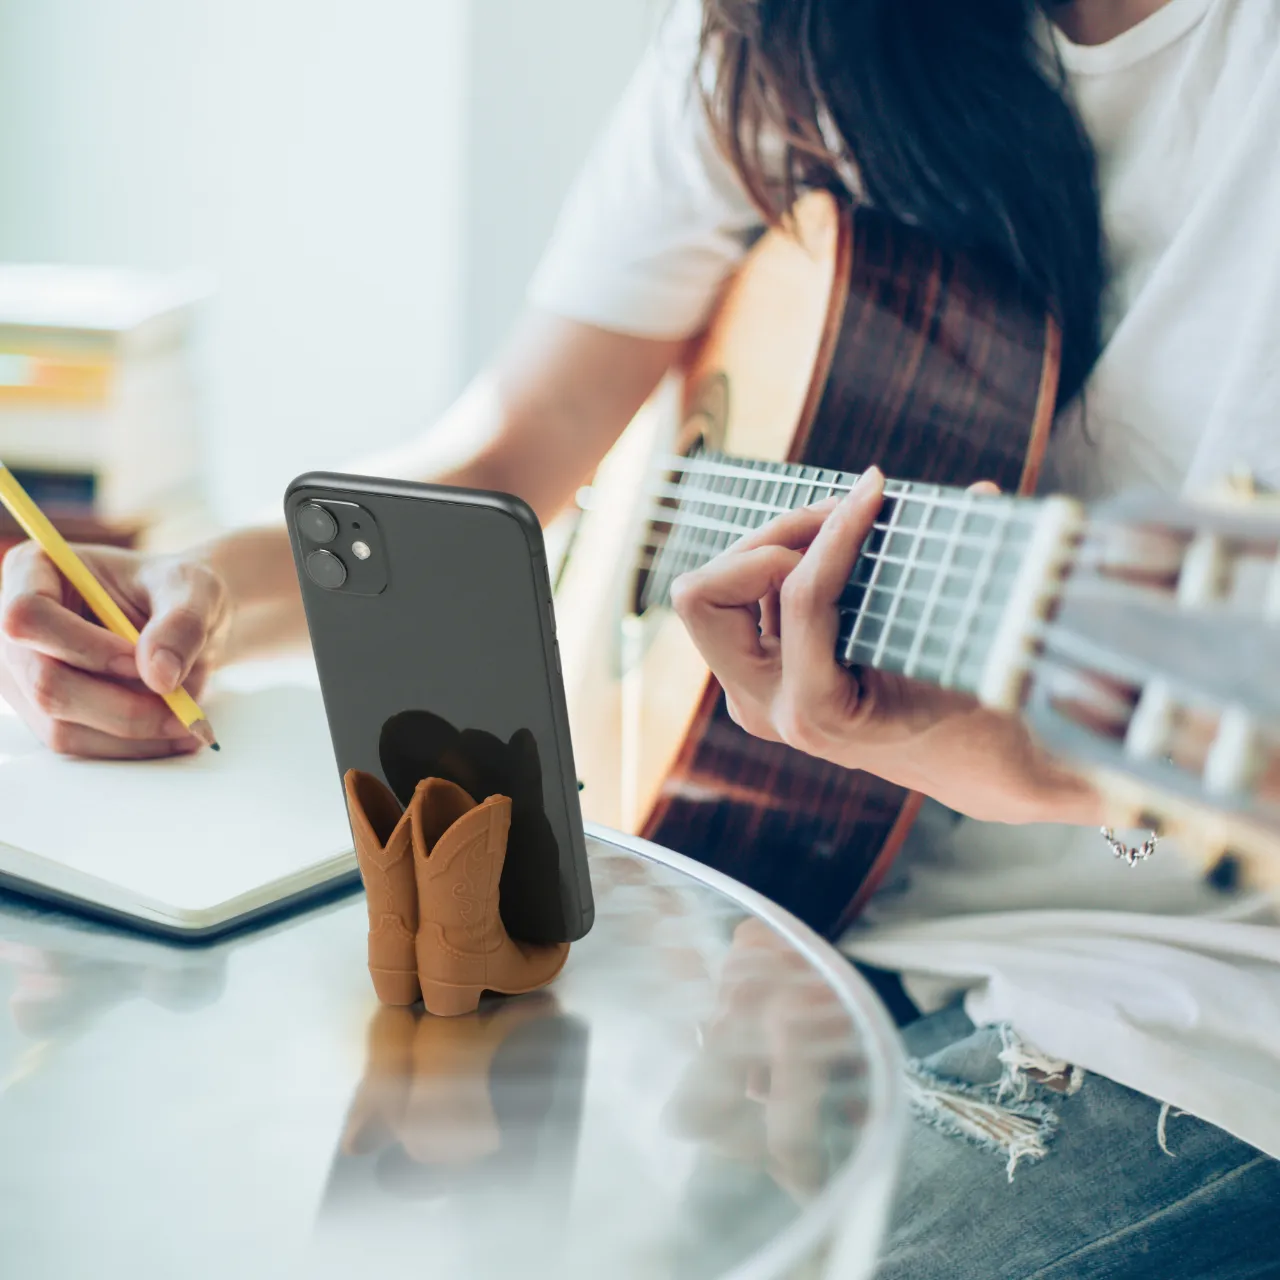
pixel 215 746
pixel 202 730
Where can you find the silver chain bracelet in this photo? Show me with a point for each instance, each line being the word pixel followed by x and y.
pixel 1131 854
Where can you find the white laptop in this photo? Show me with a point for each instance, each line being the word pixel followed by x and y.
pixel 189 847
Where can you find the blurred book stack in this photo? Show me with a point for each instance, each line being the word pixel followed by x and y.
pixel 98 410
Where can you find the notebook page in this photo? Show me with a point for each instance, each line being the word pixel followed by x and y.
pixel 190 833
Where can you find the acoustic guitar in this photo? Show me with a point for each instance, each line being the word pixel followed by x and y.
pixel 848 339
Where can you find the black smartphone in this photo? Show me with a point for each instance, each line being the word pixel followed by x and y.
pixel 433 628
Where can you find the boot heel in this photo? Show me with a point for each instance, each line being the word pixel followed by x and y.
pixel 447 1001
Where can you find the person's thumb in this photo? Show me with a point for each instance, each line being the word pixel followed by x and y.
pixel 187 602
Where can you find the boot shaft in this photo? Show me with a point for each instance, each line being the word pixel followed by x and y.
pixel 458 872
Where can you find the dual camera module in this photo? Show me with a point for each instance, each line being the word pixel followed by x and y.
pixel 325 526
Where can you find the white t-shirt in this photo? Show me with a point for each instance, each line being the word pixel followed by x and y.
pixel 1143 974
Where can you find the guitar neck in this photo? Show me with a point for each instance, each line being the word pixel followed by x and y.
pixel 933 590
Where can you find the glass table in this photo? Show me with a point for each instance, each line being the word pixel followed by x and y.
pixel 707 1090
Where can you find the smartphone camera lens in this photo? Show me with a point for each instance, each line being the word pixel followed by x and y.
pixel 315 523
pixel 326 570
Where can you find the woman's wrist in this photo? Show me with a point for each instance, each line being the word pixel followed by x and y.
pixel 984 765
pixel 264 605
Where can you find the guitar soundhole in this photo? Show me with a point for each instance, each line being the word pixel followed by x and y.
pixel 706 417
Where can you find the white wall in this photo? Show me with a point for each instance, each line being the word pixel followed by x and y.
pixel 370 184
pixel 544 74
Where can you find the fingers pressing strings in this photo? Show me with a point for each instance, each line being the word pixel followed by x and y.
pixel 706 523
pixel 720 604
pixel 810 599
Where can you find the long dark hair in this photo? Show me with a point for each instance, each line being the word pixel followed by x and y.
pixel 954 118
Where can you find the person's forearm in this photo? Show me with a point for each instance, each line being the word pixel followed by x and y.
pixel 534 424
pixel 264 604
pixel 539 419
pixel 984 763
pixel 256 564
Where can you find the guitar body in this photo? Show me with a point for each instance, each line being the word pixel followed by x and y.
pixel 849 341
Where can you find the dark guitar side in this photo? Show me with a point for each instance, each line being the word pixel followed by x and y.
pixel 938 369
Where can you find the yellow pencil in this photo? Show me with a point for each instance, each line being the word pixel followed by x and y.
pixel 37 527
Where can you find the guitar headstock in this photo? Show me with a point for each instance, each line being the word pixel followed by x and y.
pixel 1158 670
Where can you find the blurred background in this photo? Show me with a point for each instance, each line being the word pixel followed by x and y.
pixel 285 232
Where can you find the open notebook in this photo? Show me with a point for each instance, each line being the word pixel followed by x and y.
pixel 192 846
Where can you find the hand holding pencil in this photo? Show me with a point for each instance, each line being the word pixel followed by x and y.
pixel 92 690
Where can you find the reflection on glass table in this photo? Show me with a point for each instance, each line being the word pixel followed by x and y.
pixel 707 1091
pixel 459 1123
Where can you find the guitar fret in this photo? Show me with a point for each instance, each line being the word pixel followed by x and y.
pixel 912 662
pixel 677 541
pixel 715 542
pixel 985 614
pixel 870 558
pixel 947 675
pixel 926 590
pixel 706 537
pixel 776 496
pixel 749 518
pixel 843 481
pixel 750 492
pixel 913 560
pixel 936 619
pixel 734 489
pixel 785 499
pixel 683 559
pixel 868 596
pixel 808 474
pixel 934 642
pixel 708 544
pixel 770 511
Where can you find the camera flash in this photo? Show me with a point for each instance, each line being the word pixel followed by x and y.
pixel 361 550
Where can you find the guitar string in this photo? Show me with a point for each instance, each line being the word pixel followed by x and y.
pixel 869 562
pixel 981 544
pixel 914 494
pixel 671 549
pixel 961 636
pixel 683 550
pixel 697 544
pixel 922 597
pixel 992 508
pixel 927 499
pixel 910 490
pixel 874 577
pixel 977 613
pixel 925 634
pixel 692 496
pixel 739 481
pixel 916 653
pixel 896 598
pixel 742 468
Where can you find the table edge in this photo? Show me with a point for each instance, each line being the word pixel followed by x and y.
pixel 882 1140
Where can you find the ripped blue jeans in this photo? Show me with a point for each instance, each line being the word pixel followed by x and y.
pixel 1021 1168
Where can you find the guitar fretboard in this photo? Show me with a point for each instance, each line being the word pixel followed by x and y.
pixel 928 590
